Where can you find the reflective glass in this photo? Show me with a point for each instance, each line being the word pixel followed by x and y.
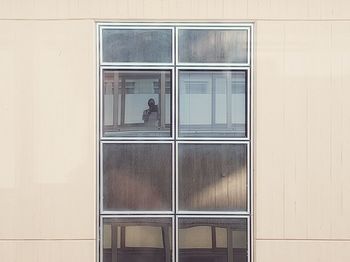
pixel 137 239
pixel 137 177
pixel 136 103
pixel 137 45
pixel 212 177
pixel 213 46
pixel 212 103
pixel 213 240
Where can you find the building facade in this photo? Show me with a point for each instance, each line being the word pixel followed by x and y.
pixel 300 118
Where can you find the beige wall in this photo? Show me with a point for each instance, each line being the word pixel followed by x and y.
pixel 302 152
pixel 302 122
pixel 47 138
pixel 175 9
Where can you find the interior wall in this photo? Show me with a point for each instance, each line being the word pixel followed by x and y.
pixel 301 121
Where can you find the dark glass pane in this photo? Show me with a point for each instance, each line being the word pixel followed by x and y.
pixel 136 103
pixel 137 176
pixel 137 45
pixel 213 46
pixel 137 240
pixel 213 103
pixel 212 240
pixel 212 177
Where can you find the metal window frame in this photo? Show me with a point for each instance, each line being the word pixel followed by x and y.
pixel 102 217
pixel 248 102
pixel 218 27
pixel 103 26
pixel 175 140
pixel 141 138
pixel 247 217
pixel 193 212
pixel 120 212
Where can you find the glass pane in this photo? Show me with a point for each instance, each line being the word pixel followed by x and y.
pixel 137 239
pixel 136 103
pixel 213 103
pixel 213 46
pixel 213 240
pixel 212 177
pixel 137 45
pixel 137 176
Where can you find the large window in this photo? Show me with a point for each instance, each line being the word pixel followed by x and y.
pixel 174 138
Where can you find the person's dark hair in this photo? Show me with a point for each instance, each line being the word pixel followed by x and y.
pixel 151 102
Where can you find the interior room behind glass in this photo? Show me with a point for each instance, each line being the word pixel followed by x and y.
pixel 212 103
pixel 137 103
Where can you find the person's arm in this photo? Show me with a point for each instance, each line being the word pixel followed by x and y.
pixel 145 115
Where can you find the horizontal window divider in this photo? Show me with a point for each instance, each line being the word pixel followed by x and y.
pixel 212 216
pixel 177 213
pixel 212 139
pixel 138 214
pixel 138 142
pixel 215 27
pixel 238 216
pixel 214 65
pixel 212 142
pixel 219 67
pixel 136 139
pixel 214 213
pixel 143 26
pixel 170 24
pixel 171 139
pixel 137 66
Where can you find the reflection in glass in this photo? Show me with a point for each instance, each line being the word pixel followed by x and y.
pixel 212 103
pixel 212 177
pixel 212 240
pixel 137 45
pixel 213 46
pixel 137 239
pixel 136 103
pixel 137 176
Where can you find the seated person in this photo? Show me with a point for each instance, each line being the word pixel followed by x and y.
pixel 150 116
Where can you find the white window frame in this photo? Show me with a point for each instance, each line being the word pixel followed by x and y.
pixel 175 139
